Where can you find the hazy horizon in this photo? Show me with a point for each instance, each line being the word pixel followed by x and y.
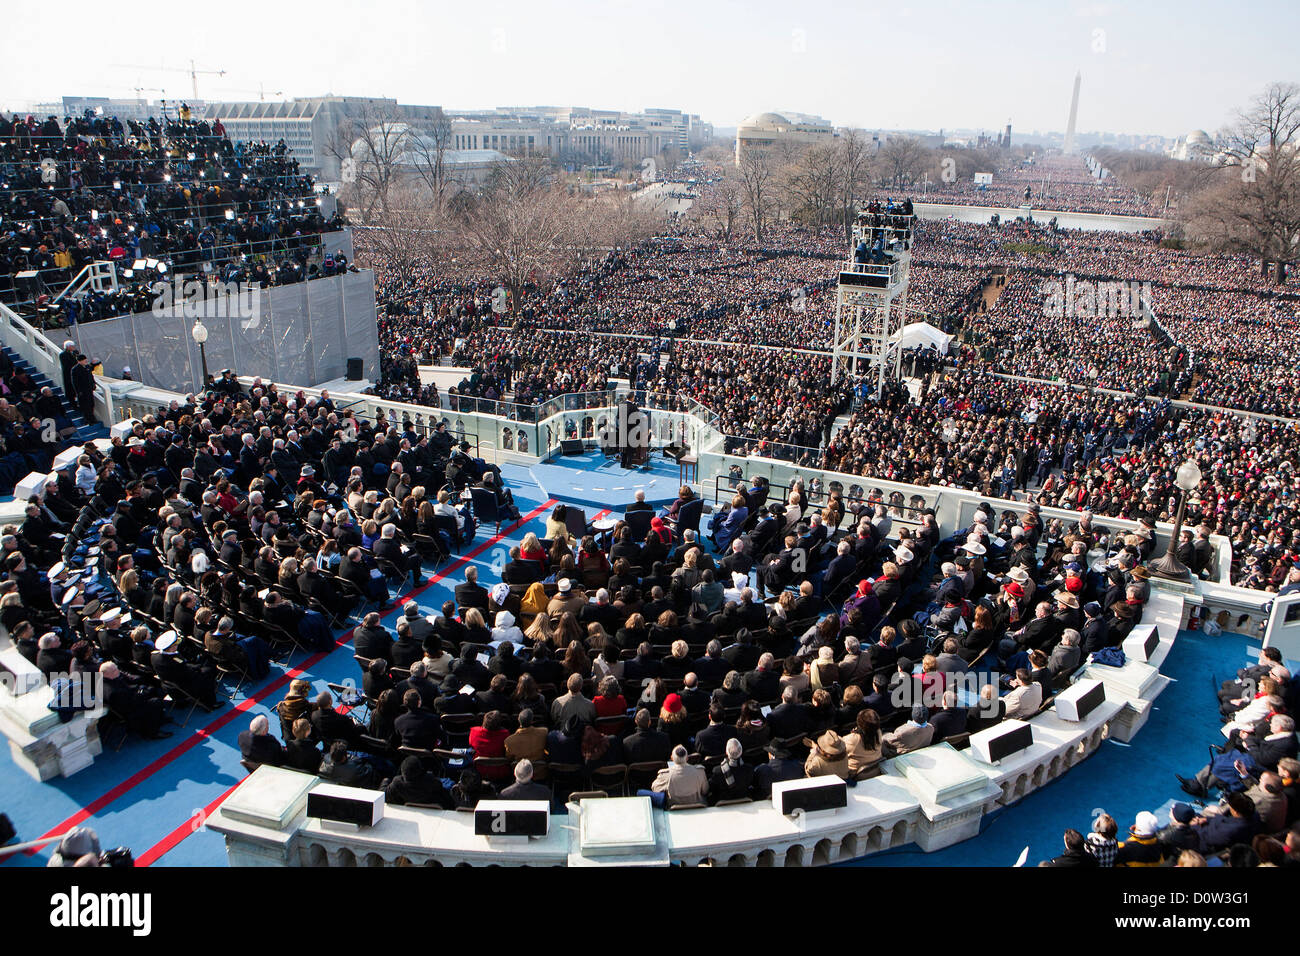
pixel 1150 69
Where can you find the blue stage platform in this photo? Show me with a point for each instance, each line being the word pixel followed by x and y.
pixel 589 479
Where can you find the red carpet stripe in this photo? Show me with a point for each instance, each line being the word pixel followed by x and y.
pixel 203 733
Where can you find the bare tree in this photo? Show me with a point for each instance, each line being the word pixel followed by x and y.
pixel 813 185
pixel 409 238
pixel 526 227
pixel 855 173
pixel 757 172
pixel 369 146
pixel 902 159
pixel 1255 205
pixel 721 203
pixel 427 151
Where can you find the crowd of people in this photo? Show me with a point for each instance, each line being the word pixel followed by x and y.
pixel 175 191
pixel 1055 182
pixel 1243 806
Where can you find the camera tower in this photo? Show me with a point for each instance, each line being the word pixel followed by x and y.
pixel 871 298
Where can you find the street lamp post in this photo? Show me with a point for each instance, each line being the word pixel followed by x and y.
pixel 1188 479
pixel 200 335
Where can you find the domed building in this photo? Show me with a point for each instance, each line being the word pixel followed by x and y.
pixel 1196 146
pixel 763 130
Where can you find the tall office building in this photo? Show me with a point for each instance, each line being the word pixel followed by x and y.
pixel 1074 115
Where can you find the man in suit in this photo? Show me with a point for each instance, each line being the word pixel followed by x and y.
pixel 199 682
pixel 471 593
pixel 521 572
pixel 1024 698
pixel 313 584
pixel 417 727
pixel 1065 656
pixel 694 698
pixel 524 788
pixel 354 567
pixel 951 719
pixel 712 740
pixel 736 561
pixel 644 665
pixel 913 735
pixel 1203 551
pixel 389 549
pixel 879 699
pixel 416 785
pixel 841 568
pixel 639 504
pixel 420 682
pixel 711 668
pixel 741 656
pixel 949 661
pixel 779 569
pixel 329 725
pixel 257 744
pixel 373 640
pixel 789 718
pixel 646 744
pixel 764 682
pixel 572 704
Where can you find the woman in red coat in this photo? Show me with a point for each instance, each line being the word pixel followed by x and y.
pixel 490 741
pixel 610 701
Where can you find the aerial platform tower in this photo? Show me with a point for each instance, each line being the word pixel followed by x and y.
pixel 871 298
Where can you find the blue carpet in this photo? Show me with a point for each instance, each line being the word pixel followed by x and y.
pixel 590 480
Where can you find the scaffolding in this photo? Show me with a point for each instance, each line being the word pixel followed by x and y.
pixel 871 299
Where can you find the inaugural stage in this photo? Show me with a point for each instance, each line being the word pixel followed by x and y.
pixel 593 480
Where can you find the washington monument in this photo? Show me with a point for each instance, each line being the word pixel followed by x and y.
pixel 1074 115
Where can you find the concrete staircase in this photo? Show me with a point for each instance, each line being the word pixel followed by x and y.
pixel 85 431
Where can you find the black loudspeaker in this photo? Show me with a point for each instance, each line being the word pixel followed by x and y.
pixel 526 818
pixel 571 446
pixel 364 808
pixel 1080 699
pixel 810 795
pixel 1002 740
pixel 354 370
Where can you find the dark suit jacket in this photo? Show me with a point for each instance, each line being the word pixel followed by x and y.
pixel 647 745
pixel 789 720
pixel 948 722
pixel 261 748
pixel 712 740
pixel 471 595
pixel 420 728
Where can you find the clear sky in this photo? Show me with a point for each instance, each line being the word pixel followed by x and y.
pixel 1154 66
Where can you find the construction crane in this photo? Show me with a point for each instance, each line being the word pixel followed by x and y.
pixel 192 71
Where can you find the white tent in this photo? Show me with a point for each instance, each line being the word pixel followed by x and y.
pixel 921 335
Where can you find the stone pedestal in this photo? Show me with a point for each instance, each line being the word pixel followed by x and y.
pixel 952 791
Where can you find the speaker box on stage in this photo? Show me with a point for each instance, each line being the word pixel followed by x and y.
pixel 571 446
pixel 1141 642
pixel 810 794
pixel 1080 699
pixel 354 370
pixel 512 818
pixel 1002 740
pixel 362 808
